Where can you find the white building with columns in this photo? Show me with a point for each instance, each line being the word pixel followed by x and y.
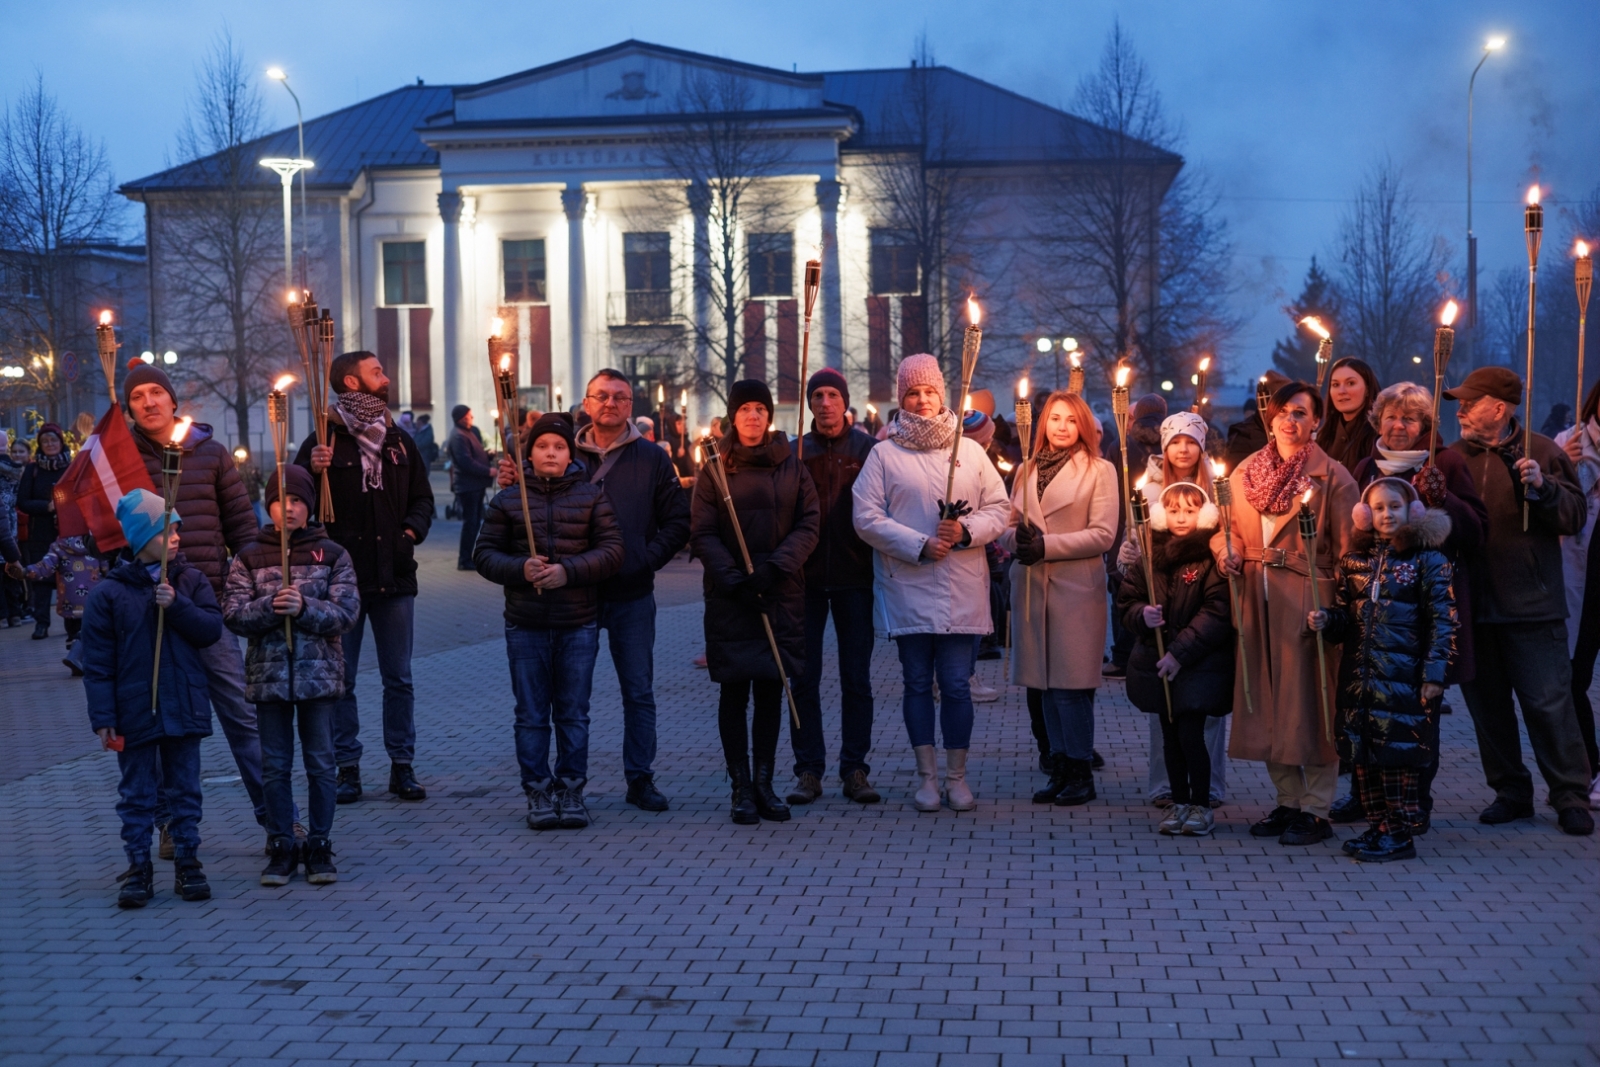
pixel 545 199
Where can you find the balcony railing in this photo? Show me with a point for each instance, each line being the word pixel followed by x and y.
pixel 641 307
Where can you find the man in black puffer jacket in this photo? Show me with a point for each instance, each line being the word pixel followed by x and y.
pixel 552 609
pixel 217 520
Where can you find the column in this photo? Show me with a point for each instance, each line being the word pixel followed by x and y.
pixel 450 211
pixel 700 279
pixel 829 193
pixel 574 201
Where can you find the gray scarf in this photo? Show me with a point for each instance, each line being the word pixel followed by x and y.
pixel 923 434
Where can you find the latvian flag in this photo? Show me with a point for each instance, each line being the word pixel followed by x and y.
pixel 106 468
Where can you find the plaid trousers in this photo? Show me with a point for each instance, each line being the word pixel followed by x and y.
pixel 1390 796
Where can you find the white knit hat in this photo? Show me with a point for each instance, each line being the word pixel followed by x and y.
pixel 1186 423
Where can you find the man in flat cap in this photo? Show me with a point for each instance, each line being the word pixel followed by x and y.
pixel 1519 605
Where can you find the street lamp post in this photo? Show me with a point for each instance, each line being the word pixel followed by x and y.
pixel 286 169
pixel 277 74
pixel 1492 45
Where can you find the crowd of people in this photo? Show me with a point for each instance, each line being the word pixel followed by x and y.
pixel 1237 632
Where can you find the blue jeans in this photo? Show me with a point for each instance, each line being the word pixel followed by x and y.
pixel 170 766
pixel 552 672
pixel 225 682
pixel 277 763
pixel 630 627
pixel 391 618
pixel 949 657
pixel 1069 720
pixel 852 627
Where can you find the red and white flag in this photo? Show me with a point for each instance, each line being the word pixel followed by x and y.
pixel 106 469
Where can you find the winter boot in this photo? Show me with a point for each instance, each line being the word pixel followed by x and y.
pixel 927 795
pixel 743 810
pixel 190 879
pixel 1080 784
pixel 767 803
pixel 138 885
pixel 318 853
pixel 403 782
pixel 284 859
pixel 1057 782
pixel 956 790
pixel 347 790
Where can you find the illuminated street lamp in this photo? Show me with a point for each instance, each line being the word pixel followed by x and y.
pixel 1492 45
pixel 277 74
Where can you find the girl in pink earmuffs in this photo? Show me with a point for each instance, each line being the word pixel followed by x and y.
pixel 1394 611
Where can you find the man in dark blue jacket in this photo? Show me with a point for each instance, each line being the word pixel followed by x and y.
pixel 469 464
pixel 653 511
pixel 838 577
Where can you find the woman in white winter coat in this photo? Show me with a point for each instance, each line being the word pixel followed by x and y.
pixel 1064 516
pixel 930 577
pixel 1182 459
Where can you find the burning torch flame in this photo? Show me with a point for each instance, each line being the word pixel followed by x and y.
pixel 1022 387
pixel 1005 466
pixel 1580 251
pixel 1448 315
pixel 1314 324
pixel 497 328
pixel 966 402
pixel 699 456
pixel 181 430
pixel 1205 364
pixel 872 410
pixel 661 394
pixel 1305 498
pixel 974 313
pixel 505 363
pixel 1533 195
pixel 1075 359
pixel 1219 469
pixel 294 296
pixel 283 383
pixel 1122 377
pixel 1139 485
pixel 683 398
pixel 105 316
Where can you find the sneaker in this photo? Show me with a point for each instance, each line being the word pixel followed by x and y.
pixel 1345 810
pixel 164 847
pixel 190 880
pixel 542 814
pixel 1199 821
pixel 981 694
pixel 1575 821
pixel 1365 839
pixel 1173 823
pixel 643 794
pixel 347 790
pixel 1388 848
pixel 1276 822
pixel 280 868
pixel 858 789
pixel 138 885
pixel 319 862
pixel 1504 811
pixel 403 782
pixel 570 806
pixel 1306 829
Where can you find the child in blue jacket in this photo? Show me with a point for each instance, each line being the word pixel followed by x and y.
pixel 157 747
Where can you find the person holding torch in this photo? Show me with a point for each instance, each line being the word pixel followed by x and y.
pixel 1284 727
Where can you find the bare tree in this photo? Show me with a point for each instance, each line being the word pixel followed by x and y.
pixel 723 158
pixel 56 197
pixel 1504 323
pixel 219 245
pixel 1389 277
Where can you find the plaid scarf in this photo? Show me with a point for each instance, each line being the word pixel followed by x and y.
pixel 923 434
pixel 1271 482
pixel 365 416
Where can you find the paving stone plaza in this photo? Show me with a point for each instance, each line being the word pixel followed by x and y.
pixel 1015 934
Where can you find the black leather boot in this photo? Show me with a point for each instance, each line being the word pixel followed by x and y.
pixel 1080 783
pixel 767 802
pixel 347 790
pixel 1058 780
pixel 743 810
pixel 403 782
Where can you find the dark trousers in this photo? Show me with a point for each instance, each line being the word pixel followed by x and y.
pixel 630 627
pixel 391 618
pixel 765 721
pixel 1583 656
pixel 552 675
pixel 14 595
pixel 1041 736
pixel 1530 661
pixel 170 765
pixel 1183 745
pixel 1122 638
pixel 276 723
pixel 852 627
pixel 471 503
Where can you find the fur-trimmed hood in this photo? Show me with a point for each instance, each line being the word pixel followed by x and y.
pixel 1415 534
pixel 1168 550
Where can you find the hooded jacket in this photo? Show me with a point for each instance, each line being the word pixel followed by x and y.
pixel 1395 615
pixel 119 647
pixel 841 560
pixel 468 460
pixel 217 516
pixel 573 525
pixel 371 525
pixel 651 508
pixel 76 569
pixel 1193 594
pixel 322 571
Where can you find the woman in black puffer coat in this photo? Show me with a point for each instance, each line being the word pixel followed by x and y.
pixel 1395 613
pixel 776 503
pixel 36 499
pixel 1190 605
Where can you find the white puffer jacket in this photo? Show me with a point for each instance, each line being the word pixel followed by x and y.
pixel 897 511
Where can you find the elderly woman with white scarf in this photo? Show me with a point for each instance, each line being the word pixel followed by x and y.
pixel 1579 557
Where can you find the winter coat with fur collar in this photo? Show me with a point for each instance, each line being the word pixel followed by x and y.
pixel 1395 614
pixel 1193 594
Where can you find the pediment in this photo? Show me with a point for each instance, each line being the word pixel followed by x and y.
pixel 632 79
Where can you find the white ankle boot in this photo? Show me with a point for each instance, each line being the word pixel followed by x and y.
pixel 955 780
pixel 927 796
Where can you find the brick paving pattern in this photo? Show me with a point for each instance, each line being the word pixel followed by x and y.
pixel 1015 934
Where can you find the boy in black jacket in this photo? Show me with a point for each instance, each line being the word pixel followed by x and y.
pixel 551 610
pixel 1190 607
pixel 159 745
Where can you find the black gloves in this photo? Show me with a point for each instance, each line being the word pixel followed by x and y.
pixel 764 577
pixel 1030 544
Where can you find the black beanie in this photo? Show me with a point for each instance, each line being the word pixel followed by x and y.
pixel 142 373
pixel 556 422
pixel 747 392
pixel 300 485
pixel 458 413
pixel 829 377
